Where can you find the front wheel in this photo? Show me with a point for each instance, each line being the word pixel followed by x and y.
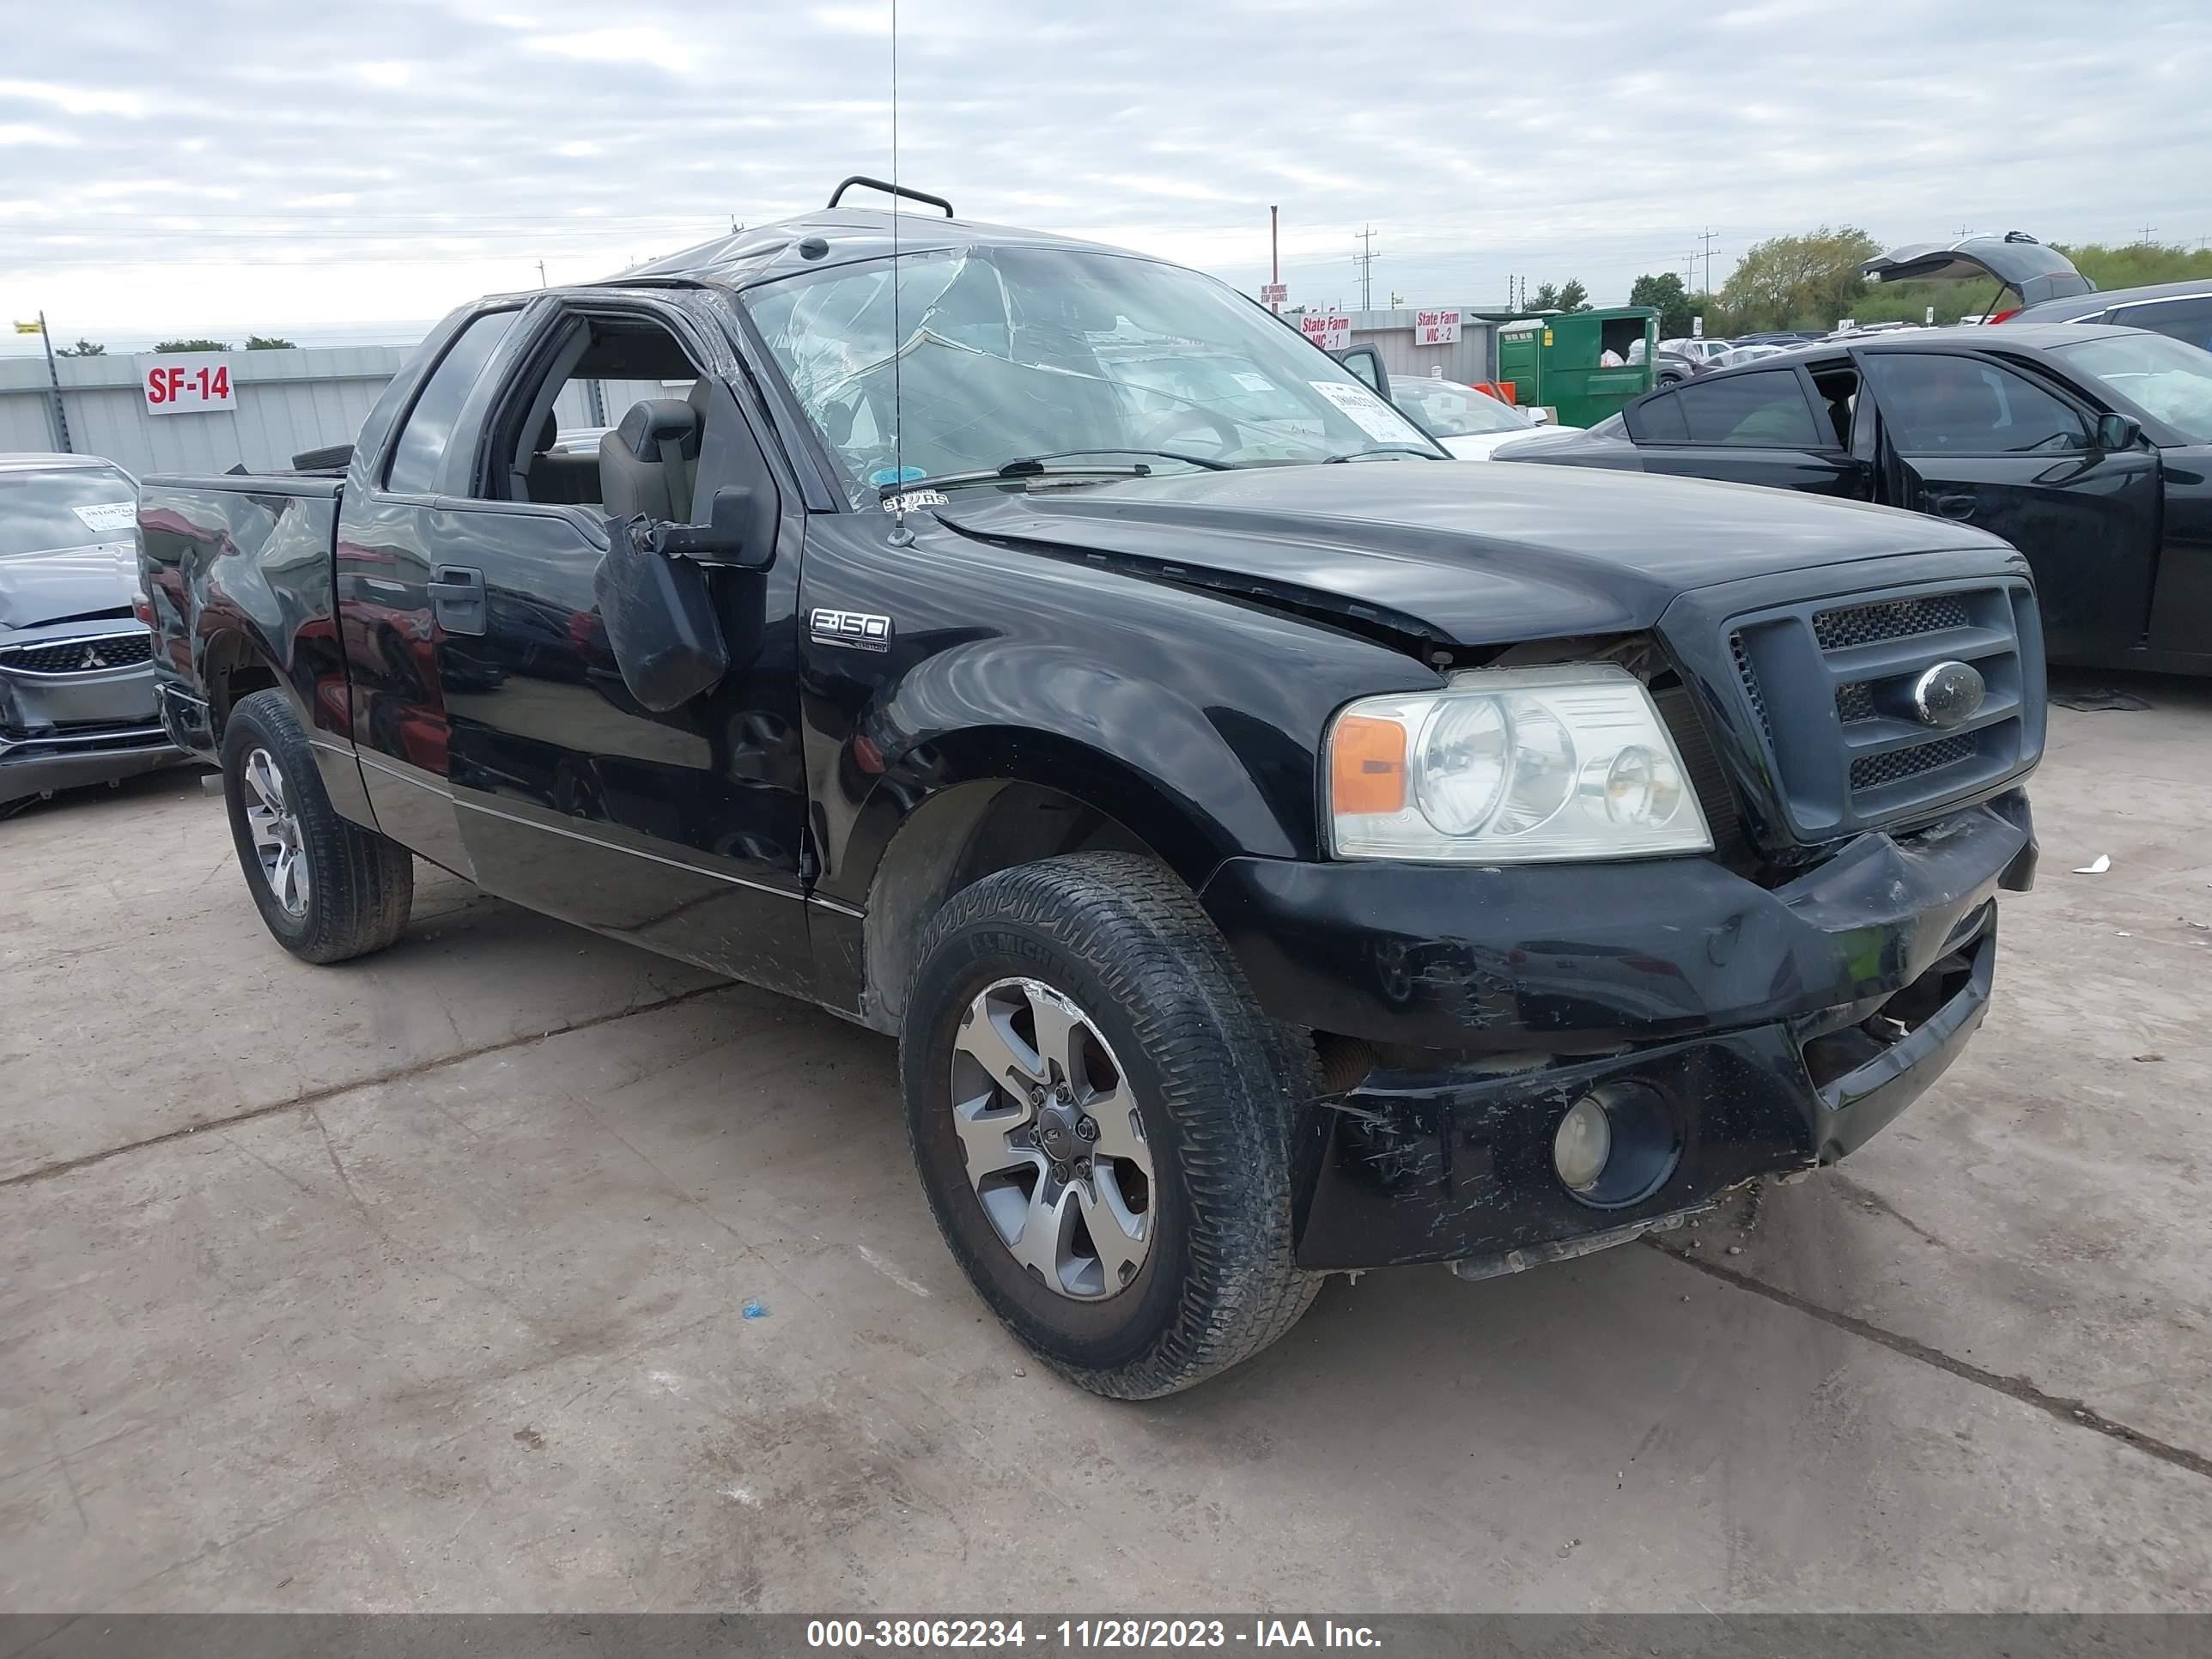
pixel 1101 1114
pixel 327 888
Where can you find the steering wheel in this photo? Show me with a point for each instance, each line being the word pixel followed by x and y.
pixel 1158 435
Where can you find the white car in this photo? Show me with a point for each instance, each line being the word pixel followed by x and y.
pixel 1472 424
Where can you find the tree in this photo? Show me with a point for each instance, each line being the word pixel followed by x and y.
pixel 2138 263
pixel 269 342
pixel 1550 297
pixel 1665 295
pixel 83 347
pixel 1798 282
pixel 193 345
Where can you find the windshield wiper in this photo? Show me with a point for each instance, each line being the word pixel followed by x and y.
pixel 1384 449
pixel 1209 464
pixel 1041 466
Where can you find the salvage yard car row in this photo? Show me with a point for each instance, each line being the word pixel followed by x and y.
pixel 2087 448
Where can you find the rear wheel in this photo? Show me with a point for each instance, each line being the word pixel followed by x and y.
pixel 327 889
pixel 1101 1116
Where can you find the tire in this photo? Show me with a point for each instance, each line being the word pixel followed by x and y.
pixel 347 890
pixel 1115 938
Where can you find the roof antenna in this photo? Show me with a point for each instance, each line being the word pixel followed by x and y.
pixel 900 535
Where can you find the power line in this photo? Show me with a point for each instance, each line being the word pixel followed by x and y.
pixel 1365 260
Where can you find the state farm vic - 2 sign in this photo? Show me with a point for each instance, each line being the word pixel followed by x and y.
pixel 192 384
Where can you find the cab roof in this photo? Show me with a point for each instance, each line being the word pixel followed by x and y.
pixel 1974 337
pixel 835 236
pixel 31 461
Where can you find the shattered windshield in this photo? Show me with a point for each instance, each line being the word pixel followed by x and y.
pixel 1004 353
pixel 2170 378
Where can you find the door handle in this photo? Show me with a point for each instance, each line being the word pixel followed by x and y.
pixel 457 599
pixel 1950 507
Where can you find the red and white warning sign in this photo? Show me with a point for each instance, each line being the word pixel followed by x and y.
pixel 1435 328
pixel 189 384
pixel 1329 330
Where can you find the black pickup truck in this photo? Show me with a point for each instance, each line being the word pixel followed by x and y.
pixel 1277 848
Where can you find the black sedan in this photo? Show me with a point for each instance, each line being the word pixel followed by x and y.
pixel 2087 448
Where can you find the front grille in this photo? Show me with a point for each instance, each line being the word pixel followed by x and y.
pixel 1872 771
pixel 1896 619
pixel 1828 691
pixel 1750 684
pixel 80 655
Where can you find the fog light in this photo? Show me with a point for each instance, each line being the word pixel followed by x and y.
pixel 1583 1145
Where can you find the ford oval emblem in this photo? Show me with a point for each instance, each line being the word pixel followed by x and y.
pixel 1948 695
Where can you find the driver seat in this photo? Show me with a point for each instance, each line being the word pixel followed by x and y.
pixel 649 464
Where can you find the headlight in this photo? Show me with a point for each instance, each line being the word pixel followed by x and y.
pixel 1511 764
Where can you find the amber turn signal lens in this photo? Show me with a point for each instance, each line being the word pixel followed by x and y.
pixel 1367 766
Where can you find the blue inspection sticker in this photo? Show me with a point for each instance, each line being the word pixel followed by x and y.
pixel 892 474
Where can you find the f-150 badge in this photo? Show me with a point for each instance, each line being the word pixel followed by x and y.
pixel 857 628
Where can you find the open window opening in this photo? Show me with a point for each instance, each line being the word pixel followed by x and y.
pixel 612 419
pixel 1837 387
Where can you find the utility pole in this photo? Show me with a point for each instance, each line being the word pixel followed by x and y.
pixel 54 377
pixel 1274 254
pixel 540 273
pixel 1707 238
pixel 1365 260
pixel 2147 231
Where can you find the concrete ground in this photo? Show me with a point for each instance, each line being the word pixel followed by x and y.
pixel 424 1282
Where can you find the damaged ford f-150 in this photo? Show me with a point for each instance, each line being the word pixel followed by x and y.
pixel 1276 850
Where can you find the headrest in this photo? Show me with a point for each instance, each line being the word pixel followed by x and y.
pixel 659 421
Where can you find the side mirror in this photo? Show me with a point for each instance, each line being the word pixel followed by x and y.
pixel 658 612
pixel 1366 363
pixel 2117 431
pixel 736 532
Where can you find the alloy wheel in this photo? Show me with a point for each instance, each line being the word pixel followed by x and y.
pixel 1054 1139
pixel 275 827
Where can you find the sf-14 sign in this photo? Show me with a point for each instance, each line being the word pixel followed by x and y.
pixel 190 385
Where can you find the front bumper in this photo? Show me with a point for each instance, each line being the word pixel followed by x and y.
pixel 62 730
pixel 1762 1029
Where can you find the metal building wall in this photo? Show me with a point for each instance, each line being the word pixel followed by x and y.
pixel 1472 357
pixel 288 402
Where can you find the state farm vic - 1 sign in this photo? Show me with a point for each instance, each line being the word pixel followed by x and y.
pixel 188 385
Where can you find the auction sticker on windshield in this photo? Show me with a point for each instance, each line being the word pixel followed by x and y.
pixel 108 515
pixel 1375 418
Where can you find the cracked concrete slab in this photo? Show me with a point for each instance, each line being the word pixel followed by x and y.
pixel 2041 1213
pixel 143 996
pixel 472 1336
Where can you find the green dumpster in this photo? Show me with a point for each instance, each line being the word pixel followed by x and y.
pixel 1555 360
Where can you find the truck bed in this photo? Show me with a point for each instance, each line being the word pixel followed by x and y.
pixel 239 572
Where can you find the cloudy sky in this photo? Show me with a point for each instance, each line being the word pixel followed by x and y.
pixel 349 173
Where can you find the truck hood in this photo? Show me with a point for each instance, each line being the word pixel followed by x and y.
pixel 66 581
pixel 1475 555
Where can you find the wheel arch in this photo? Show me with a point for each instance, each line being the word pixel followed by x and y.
pixel 917 842
pixel 234 664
